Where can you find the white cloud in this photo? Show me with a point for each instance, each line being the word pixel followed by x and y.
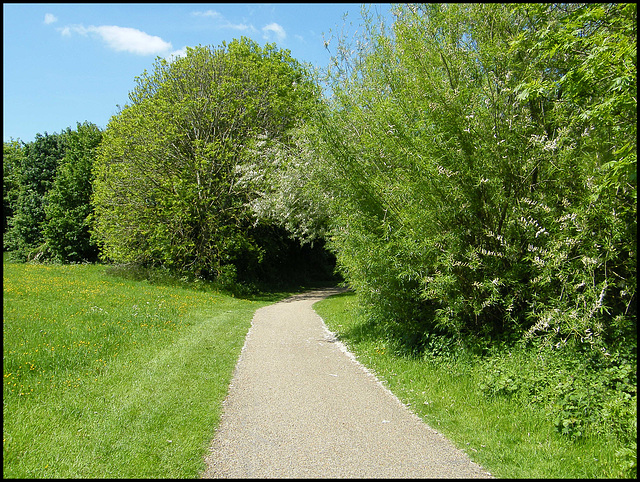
pixel 50 18
pixel 223 22
pixel 131 40
pixel 123 38
pixel 274 29
pixel 69 29
pixel 177 54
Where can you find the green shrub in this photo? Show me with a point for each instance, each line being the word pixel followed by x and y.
pixel 580 396
pixel 479 173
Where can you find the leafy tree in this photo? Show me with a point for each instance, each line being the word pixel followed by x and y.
pixel 11 153
pixel 579 80
pixel 278 175
pixel 35 172
pixel 169 186
pixel 408 141
pixel 67 203
pixel 479 170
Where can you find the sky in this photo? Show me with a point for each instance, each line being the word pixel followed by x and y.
pixel 70 63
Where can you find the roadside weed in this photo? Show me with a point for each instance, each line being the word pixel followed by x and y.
pixel 479 407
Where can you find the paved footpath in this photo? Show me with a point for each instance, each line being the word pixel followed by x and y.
pixel 300 406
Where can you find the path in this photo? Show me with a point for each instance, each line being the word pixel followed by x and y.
pixel 300 406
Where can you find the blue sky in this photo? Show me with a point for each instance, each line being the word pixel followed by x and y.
pixel 69 63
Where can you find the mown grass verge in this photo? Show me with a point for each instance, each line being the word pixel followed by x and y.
pixel 506 435
pixel 112 377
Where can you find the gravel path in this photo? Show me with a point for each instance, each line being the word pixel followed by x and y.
pixel 301 406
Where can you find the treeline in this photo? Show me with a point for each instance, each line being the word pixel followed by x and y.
pixel 47 185
pixel 165 186
pixel 472 170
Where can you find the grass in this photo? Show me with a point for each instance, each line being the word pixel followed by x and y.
pixel 112 377
pixel 504 435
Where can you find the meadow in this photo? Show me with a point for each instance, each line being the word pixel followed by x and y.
pixel 105 376
pixel 508 436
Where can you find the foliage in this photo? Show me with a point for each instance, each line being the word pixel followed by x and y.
pixel 47 188
pixel 580 80
pixel 278 174
pixel 11 153
pixel 578 394
pixel 168 188
pixel 479 172
pixel 67 203
pixel 35 171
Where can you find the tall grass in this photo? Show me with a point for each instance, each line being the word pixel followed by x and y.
pixel 109 377
pixel 505 435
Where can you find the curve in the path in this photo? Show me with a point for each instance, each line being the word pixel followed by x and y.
pixel 300 406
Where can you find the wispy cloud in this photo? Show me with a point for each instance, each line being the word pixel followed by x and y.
pixel 273 29
pixel 50 18
pixel 222 22
pixel 208 13
pixel 123 39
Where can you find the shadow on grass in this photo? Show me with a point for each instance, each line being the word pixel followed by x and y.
pixel 411 340
pixel 250 291
pixel 355 327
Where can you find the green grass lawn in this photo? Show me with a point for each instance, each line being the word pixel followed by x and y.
pixel 109 377
pixel 506 437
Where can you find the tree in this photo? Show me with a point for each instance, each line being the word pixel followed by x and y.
pixel 479 167
pixel 67 203
pixel 167 189
pixel 579 79
pixel 282 177
pixel 11 154
pixel 35 172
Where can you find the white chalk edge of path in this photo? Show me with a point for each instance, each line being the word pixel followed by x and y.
pixel 301 405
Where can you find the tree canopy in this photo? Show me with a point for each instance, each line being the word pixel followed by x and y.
pixel 67 204
pixel 477 164
pixel 169 187
pixel 34 172
pixel 47 188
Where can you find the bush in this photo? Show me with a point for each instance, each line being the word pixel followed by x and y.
pixel 472 187
pixel 579 395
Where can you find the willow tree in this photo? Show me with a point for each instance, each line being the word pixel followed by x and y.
pixel 479 161
pixel 168 189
